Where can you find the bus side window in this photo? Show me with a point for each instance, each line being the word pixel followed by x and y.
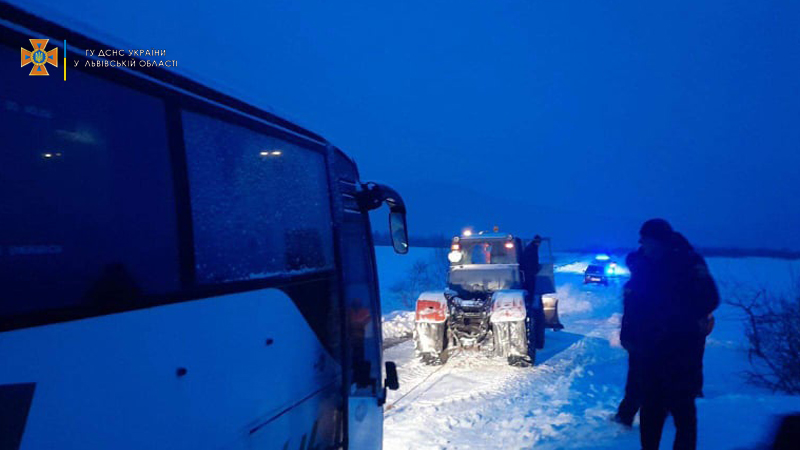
pixel 260 205
pixel 304 249
pixel 87 217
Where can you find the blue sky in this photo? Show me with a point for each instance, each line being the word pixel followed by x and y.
pixel 574 119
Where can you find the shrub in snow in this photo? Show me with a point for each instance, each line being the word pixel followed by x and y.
pixel 773 334
pixel 425 274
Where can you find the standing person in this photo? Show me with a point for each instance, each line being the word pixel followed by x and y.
pixel 632 401
pixel 529 265
pixel 668 301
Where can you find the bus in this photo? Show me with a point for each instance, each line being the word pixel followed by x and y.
pixel 178 269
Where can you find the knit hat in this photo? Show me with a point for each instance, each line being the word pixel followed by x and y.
pixel 658 229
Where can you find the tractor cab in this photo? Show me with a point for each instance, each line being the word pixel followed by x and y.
pixel 483 263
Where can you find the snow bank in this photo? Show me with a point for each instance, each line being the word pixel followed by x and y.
pixel 575 267
pixel 398 325
pixel 571 300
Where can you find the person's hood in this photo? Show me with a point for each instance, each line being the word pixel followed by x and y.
pixel 679 242
pixel 634 260
pixel 681 252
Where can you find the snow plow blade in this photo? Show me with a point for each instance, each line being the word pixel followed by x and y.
pixel 550 305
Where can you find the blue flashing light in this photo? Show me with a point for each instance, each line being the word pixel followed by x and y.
pixel 602 257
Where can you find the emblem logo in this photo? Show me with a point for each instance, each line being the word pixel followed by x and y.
pixel 39 57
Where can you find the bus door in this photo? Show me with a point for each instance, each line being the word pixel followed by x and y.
pixel 366 393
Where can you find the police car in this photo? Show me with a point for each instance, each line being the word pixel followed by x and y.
pixel 601 271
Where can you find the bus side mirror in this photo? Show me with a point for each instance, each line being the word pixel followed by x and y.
pixel 399 232
pixel 372 196
pixel 392 381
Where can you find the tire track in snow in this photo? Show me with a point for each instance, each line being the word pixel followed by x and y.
pixel 556 404
pixel 483 393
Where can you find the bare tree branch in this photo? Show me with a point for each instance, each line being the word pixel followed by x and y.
pixel 773 334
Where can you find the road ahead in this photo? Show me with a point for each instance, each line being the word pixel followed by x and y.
pixel 475 401
pixel 566 400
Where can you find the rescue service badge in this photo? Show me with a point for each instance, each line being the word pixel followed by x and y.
pixel 39 57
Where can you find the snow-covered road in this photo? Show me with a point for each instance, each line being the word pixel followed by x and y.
pixel 567 399
pixel 475 401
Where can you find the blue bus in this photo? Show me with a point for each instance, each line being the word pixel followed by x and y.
pixel 178 268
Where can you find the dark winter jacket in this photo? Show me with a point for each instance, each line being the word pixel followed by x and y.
pixel 529 264
pixel 666 308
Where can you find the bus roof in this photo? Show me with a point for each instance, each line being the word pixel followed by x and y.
pixel 14 15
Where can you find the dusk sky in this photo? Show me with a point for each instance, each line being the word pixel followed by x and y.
pixel 574 119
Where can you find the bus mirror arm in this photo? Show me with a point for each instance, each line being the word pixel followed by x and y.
pixel 372 196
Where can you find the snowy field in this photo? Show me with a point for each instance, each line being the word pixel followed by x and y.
pixel 567 399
